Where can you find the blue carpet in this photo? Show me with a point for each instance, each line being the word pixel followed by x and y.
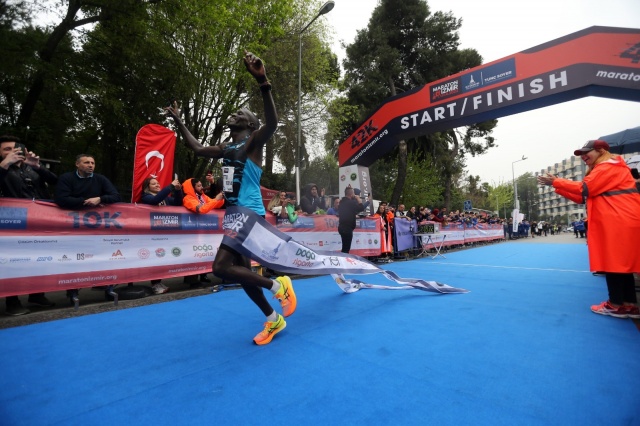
pixel 521 348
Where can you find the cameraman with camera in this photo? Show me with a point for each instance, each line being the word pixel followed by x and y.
pixel 21 176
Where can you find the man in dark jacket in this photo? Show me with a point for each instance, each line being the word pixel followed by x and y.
pixel 350 206
pixel 21 176
pixel 84 188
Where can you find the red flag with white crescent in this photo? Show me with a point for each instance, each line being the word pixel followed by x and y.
pixel 155 149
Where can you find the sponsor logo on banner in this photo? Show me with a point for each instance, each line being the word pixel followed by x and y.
pixel 83 256
pixel 271 254
pixel 445 90
pixel 144 253
pixel 176 252
pixel 331 261
pixel 472 81
pixel 3 260
pixel 233 223
pixel 19 259
pixel 45 259
pixel 160 252
pixel 165 221
pixel 205 250
pixel 304 222
pixel 13 218
pixel 117 255
pixel 204 221
pixel 308 254
pixel 490 75
pixel 64 258
pixel 365 224
pixel 303 263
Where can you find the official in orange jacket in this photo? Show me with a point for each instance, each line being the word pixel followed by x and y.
pixel 611 196
pixel 196 200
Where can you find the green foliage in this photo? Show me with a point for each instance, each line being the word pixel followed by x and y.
pixel 91 87
pixel 403 47
pixel 323 171
pixel 422 186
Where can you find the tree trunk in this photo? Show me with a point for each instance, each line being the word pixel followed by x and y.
pixel 46 55
pixel 453 154
pixel 402 173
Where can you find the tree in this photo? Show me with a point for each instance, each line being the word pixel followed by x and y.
pixel 405 46
pixel 99 83
pixel 502 197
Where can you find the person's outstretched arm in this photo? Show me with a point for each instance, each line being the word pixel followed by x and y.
pixel 260 137
pixel 213 151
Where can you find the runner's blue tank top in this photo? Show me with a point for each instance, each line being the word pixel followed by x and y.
pixel 241 181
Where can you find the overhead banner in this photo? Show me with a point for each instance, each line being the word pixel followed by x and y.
pixel 597 61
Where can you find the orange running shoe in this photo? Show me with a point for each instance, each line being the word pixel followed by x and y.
pixel 286 296
pixel 270 330
pixel 606 308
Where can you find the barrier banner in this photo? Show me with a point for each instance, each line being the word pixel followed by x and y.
pixel 321 232
pixel 459 234
pixel 250 235
pixel 455 234
pixel 404 230
pixel 45 248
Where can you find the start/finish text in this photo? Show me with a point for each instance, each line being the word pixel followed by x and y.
pixel 486 100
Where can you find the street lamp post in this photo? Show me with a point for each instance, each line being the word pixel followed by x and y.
pixel 516 204
pixel 326 8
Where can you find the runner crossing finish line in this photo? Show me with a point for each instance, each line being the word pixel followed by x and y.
pixel 251 235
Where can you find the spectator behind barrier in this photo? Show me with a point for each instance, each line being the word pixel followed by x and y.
pixel 283 207
pixel 311 202
pixel 153 195
pixel 84 188
pixel 22 177
pixel 170 195
pixel 196 200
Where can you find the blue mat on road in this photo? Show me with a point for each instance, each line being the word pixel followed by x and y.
pixel 522 348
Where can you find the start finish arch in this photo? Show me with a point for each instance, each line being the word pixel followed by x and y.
pixel 597 61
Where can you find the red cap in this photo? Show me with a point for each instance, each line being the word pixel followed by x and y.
pixel 590 146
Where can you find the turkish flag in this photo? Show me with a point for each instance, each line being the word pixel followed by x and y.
pixel 155 149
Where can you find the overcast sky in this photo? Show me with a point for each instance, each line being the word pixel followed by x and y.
pixel 499 28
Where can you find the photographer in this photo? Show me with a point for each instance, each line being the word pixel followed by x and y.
pixel 21 176
pixel 283 207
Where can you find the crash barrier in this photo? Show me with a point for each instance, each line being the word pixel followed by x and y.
pixel 407 234
pixel 44 248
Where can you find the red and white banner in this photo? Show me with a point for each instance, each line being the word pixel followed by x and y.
pixel 459 234
pixel 320 232
pixel 45 248
pixel 155 150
